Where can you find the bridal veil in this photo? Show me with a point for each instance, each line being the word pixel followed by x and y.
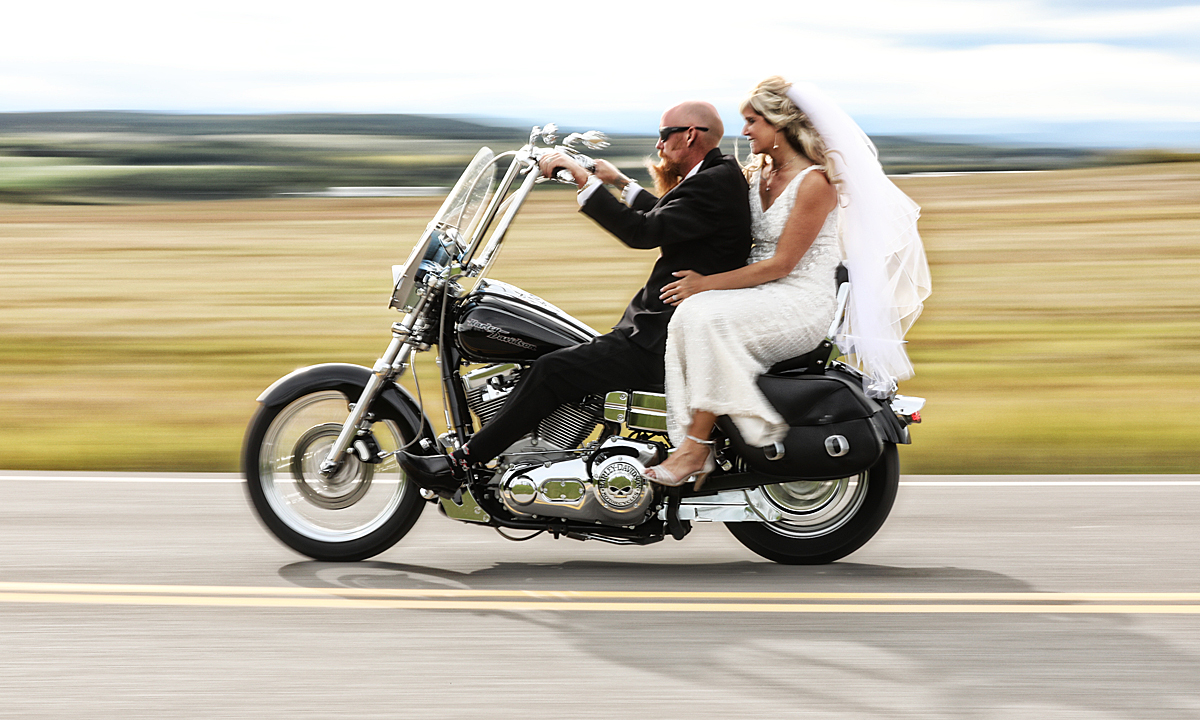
pixel 880 245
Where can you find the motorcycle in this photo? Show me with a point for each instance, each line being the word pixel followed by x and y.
pixel 319 453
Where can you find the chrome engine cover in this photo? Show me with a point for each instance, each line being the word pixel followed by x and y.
pixel 615 493
pixel 619 484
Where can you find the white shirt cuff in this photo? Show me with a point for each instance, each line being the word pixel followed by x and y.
pixel 588 188
pixel 630 192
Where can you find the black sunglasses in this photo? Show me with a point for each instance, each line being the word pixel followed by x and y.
pixel 666 132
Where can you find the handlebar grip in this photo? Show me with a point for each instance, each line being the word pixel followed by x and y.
pixel 564 175
pixel 587 163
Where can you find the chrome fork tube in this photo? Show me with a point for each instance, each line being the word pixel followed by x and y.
pixel 484 263
pixel 387 367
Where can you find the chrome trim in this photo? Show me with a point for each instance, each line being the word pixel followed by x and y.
pixel 638 410
pixel 551 501
pixel 521 490
pixel 562 490
pixel 478 378
pixel 390 363
pixel 616 493
pixel 812 508
pixel 327 508
pixel 468 511
pixel 480 267
pixel 843 294
pixel 621 487
pixel 837 445
pixel 616 406
pixel 764 508
pixel 727 506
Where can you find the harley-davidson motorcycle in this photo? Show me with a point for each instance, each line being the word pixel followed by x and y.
pixel 319 454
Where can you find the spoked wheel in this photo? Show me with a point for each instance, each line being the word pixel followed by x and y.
pixel 355 513
pixel 824 520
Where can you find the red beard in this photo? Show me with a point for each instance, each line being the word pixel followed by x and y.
pixel 666 173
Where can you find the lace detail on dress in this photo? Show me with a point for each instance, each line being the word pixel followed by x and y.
pixel 720 341
pixel 767 225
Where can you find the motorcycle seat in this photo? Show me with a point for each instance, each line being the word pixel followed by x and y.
pixel 819 354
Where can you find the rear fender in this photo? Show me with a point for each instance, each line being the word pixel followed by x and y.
pixel 392 403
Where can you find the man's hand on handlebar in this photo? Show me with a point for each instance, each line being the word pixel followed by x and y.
pixel 610 175
pixel 552 162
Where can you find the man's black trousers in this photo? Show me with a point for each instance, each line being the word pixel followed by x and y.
pixel 609 362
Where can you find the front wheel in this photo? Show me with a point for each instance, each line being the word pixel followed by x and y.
pixel 824 521
pixel 358 512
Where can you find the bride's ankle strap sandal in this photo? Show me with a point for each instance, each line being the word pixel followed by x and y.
pixel 663 476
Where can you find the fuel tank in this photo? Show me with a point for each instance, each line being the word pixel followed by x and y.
pixel 499 322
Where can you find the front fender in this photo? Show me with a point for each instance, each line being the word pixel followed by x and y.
pixel 392 403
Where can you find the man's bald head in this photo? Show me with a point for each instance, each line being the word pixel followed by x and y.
pixel 695 113
pixel 685 145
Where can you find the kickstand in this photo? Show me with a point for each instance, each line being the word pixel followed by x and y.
pixel 678 528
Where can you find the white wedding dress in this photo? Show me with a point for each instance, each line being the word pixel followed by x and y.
pixel 720 341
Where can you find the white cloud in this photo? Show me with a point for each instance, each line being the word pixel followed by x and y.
pixel 920 58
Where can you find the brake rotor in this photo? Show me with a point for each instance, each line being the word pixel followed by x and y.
pixel 342 489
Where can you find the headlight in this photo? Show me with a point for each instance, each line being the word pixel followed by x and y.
pixel 437 250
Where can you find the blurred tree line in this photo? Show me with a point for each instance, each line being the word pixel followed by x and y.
pixel 117 156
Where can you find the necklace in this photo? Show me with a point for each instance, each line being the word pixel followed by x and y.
pixel 775 170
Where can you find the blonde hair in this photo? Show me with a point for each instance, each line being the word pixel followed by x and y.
pixel 769 99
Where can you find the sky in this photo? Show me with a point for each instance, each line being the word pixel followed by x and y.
pixel 1128 70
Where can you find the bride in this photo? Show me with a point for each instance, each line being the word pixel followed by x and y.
pixel 734 325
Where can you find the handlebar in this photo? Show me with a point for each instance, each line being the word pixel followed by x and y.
pixel 561 174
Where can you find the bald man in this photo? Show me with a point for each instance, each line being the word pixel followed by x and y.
pixel 701 222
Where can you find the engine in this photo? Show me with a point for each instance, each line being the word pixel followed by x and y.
pixel 488 389
pixel 545 477
pixel 606 486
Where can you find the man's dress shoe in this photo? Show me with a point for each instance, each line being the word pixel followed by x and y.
pixel 438 472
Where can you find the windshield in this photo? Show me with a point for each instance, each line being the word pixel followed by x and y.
pixel 449 235
pixel 465 204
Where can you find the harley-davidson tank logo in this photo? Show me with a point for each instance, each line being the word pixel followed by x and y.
pixel 497 333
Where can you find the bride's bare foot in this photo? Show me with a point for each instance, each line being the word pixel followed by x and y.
pixel 688 459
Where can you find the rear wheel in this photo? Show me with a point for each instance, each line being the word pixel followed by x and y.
pixel 823 521
pixel 359 511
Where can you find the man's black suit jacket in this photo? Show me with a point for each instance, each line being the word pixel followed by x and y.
pixel 703 224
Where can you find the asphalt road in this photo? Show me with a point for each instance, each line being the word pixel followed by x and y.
pixel 984 597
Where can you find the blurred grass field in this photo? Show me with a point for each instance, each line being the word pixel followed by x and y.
pixel 1063 334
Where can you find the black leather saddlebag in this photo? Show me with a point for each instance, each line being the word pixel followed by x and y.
pixel 836 430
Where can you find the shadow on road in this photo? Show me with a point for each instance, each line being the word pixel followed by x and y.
pixel 873 664
pixel 594 575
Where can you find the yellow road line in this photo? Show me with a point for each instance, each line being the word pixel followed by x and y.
pixel 599 600
pixel 1045 597
pixel 577 606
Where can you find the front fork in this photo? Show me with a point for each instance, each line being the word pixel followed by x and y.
pixel 389 367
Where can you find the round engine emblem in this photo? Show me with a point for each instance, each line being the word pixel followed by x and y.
pixel 620 485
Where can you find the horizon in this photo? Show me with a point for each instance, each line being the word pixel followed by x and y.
pixel 1097 135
